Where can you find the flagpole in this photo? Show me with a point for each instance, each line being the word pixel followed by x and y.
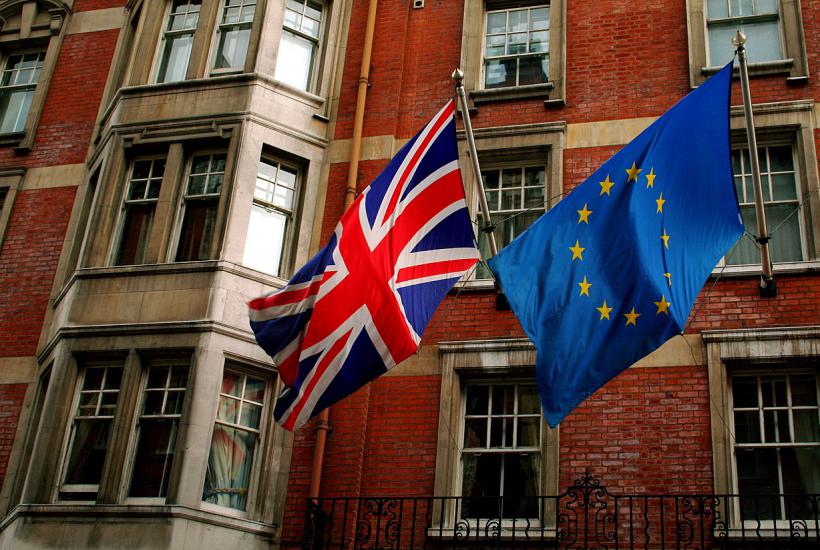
pixel 487 224
pixel 768 288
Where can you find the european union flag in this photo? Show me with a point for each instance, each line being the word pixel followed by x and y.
pixel 612 271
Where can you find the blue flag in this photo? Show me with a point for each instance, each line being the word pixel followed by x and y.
pixel 613 271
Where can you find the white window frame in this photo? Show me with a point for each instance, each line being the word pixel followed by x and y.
pixel 283 269
pixel 319 44
pixel 220 27
pixel 184 197
pixel 135 431
pixel 262 435
pixel 68 438
pixel 736 21
pixel 164 32
pixel 124 201
pixel 30 86
pixel 484 57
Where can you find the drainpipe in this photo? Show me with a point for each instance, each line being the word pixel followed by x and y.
pixel 323 425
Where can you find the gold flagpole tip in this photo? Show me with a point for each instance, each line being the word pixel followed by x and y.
pixel 458 75
pixel 738 39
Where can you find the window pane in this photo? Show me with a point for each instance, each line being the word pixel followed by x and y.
pixel 717 8
pixel 773 389
pixel 228 409
pixel 528 429
pixel 153 402
pixel 801 470
pixel 478 399
pixel 501 432
pixel 763 41
pixel 475 433
pixel 154 456
pixel 254 390
pixel 765 6
pixel 721 50
pixel 783 187
pixel 747 427
pixel 229 467
pixel 14 104
pixel 294 62
pixel 265 241
pixel 806 426
pixel 174 63
pixel 521 474
pixel 757 475
pixel 804 390
pixel 528 400
pixel 87 451
pixel 533 69
pixel 785 244
pixel 136 231
pixel 231 384
pixel 496 22
pixel 499 73
pixel 313 10
pixel 503 400
pixel 539 19
pixel 517 21
pixel 744 392
pixel 250 416
pixel 481 485
pixel 233 46
pixel 197 230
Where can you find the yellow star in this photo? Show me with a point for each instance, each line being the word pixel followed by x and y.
pixel 606 185
pixel 660 200
pixel 583 214
pixel 650 178
pixel 668 278
pixel 577 251
pixel 632 317
pixel 663 305
pixel 633 173
pixel 584 287
pixel 604 310
pixel 665 239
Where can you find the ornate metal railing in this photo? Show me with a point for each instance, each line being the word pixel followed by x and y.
pixel 586 516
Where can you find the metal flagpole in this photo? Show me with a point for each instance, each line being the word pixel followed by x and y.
pixel 487 224
pixel 768 288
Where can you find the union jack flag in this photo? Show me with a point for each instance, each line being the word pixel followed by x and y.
pixel 360 306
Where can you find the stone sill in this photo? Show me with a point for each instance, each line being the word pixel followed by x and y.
pixel 532 91
pixel 757 69
pixel 96 513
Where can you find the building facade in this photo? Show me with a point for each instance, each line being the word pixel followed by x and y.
pixel 162 163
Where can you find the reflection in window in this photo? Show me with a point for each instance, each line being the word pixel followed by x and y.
pixel 234 34
pixel 90 432
pixel 515 196
pixel 157 430
pixel 298 50
pixel 234 441
pixel 20 76
pixel 199 206
pixel 271 216
pixel 138 210
pixel 780 199
pixel 516 47
pixel 777 443
pixel 757 19
pixel 177 40
pixel 501 454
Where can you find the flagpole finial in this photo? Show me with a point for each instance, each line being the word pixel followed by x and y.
pixel 458 76
pixel 738 39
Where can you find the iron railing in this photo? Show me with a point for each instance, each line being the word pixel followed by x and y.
pixel 586 516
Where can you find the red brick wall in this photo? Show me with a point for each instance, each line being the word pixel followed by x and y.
pixel 28 260
pixel 73 99
pixel 11 401
pixel 88 5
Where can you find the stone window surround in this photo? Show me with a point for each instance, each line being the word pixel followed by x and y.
pixel 553 92
pixel 260 57
pixel 788 122
pixel 794 64
pixel 768 347
pixel 515 144
pixel 136 349
pixel 470 361
pixel 10 182
pixel 41 24
pixel 162 242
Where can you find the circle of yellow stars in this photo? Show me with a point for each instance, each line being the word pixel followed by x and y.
pixel 605 310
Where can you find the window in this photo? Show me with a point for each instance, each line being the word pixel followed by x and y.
pixel 20 76
pixel 200 204
pixel 515 196
pixel 777 441
pixel 516 47
pixel 271 219
pixel 501 454
pixel 514 50
pixel 774 30
pixel 157 430
pixel 781 200
pixel 757 19
pixel 95 405
pixel 138 210
pixel 297 60
pixel 234 33
pixel 177 40
pixel 234 441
